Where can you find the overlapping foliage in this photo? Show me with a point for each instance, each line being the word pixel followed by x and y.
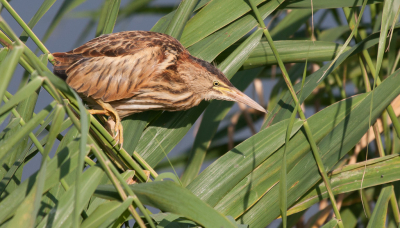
pixel 282 170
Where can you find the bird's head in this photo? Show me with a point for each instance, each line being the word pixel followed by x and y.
pixel 214 85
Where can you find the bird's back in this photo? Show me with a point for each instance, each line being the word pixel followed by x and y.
pixel 118 66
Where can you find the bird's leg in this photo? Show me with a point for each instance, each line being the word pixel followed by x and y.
pixel 110 111
pixel 98 112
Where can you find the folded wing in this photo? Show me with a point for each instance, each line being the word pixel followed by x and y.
pixel 120 65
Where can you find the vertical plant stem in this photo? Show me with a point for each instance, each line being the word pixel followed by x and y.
pixel 307 129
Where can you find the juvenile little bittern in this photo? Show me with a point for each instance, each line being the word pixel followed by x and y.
pixel 128 72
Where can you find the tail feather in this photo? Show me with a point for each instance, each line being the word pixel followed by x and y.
pixel 63 61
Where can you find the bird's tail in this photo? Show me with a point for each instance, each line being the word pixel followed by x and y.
pixel 63 61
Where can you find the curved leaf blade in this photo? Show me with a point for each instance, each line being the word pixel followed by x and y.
pixel 168 196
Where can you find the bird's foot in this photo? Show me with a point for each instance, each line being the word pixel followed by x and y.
pixel 119 137
pixel 116 128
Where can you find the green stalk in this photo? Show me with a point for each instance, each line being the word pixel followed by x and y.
pixel 283 182
pixel 105 164
pixel 26 28
pixel 359 37
pixel 307 129
pixel 132 194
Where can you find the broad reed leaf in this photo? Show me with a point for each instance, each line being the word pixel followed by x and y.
pixel 106 213
pixel 57 168
pixel 378 218
pixel 134 126
pixel 282 110
pixel 291 52
pixel 222 175
pixel 290 24
pixel 328 118
pixel 212 17
pixel 211 46
pixel 321 4
pixel 218 14
pixel 168 175
pixel 333 34
pixel 280 88
pixel 302 173
pixel 349 178
pixel 331 224
pixel 170 197
pixel 61 214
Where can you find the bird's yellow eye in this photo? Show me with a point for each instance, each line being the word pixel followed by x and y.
pixel 216 83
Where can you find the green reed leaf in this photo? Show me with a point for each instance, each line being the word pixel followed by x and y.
pixel 23 94
pixel 170 197
pixel 7 67
pixel 181 16
pixel 378 218
pixel 111 14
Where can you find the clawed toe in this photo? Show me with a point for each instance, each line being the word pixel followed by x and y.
pixel 119 136
pixel 116 130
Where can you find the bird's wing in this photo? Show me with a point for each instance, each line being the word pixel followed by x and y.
pixel 116 66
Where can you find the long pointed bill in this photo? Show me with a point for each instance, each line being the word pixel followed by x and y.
pixel 238 96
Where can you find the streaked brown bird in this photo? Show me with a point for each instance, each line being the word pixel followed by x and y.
pixel 129 72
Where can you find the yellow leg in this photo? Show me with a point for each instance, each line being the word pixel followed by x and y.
pixel 110 111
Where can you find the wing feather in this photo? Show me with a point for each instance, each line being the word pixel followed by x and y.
pixel 120 65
